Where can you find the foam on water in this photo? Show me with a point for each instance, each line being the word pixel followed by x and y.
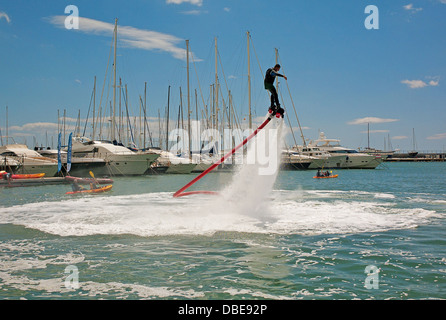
pixel 248 204
pixel 157 214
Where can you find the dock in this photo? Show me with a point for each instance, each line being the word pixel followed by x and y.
pixel 12 183
pixel 420 157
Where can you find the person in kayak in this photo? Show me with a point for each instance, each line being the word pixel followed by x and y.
pixel 76 186
pixel 270 77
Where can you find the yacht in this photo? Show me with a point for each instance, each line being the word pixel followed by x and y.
pixel 202 161
pixel 120 161
pixel 175 164
pixel 80 167
pixel 321 159
pixel 27 161
pixel 292 160
pixel 8 164
pixel 353 159
pixel 377 152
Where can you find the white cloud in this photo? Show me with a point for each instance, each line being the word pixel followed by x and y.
pixel 194 2
pixel 36 126
pixel 5 16
pixel 371 120
pixel 411 8
pixel 229 9
pixel 129 36
pixel 434 83
pixel 399 137
pixel 417 84
pixel 192 12
pixel 375 131
pixel 437 136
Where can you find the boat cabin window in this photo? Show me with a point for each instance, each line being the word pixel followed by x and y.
pixel 9 154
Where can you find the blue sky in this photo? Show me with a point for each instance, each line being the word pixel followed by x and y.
pixel 341 75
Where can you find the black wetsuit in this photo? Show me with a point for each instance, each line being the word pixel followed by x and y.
pixel 270 76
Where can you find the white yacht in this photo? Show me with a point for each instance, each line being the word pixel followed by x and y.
pixel 383 154
pixel 8 164
pixel 80 167
pixel 293 160
pixel 120 161
pixel 321 158
pixel 29 161
pixel 353 159
pixel 175 164
pixel 203 162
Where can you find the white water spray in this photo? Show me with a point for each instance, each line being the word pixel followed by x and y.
pixel 251 187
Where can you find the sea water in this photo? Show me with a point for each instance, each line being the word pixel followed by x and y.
pixel 368 234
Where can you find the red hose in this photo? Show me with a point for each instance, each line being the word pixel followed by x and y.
pixel 180 192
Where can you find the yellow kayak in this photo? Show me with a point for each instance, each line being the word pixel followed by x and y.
pixel 98 190
pixel 327 177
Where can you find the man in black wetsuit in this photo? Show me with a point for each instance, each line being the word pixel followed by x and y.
pixel 270 76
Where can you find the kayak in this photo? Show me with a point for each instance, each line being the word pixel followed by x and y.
pixel 332 176
pixel 98 190
pixel 88 180
pixel 27 176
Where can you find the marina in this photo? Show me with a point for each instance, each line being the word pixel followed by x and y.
pixel 312 239
pixel 195 151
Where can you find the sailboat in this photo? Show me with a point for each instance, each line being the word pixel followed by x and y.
pixel 373 151
pixel 413 153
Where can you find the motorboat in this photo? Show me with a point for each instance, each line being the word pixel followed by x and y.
pixel 202 161
pixel 27 161
pixel 176 164
pixel 353 158
pixel 377 152
pixel 80 166
pixel 292 160
pixel 119 160
pixel 321 158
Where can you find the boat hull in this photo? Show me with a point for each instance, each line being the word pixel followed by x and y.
pixel 129 165
pixel 329 177
pixel 98 190
pixel 28 176
pixel 180 168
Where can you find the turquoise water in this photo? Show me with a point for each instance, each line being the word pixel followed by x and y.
pixel 308 238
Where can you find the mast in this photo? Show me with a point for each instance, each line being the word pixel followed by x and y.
pixel 188 101
pixel 94 106
pixel 368 135
pixel 413 139
pixel 216 87
pixel 64 121
pixel 7 134
pixel 145 112
pixel 213 105
pixel 249 82
pixel 159 129
pixel 277 61
pixel 120 111
pixel 167 120
pixel 198 124
pixel 114 80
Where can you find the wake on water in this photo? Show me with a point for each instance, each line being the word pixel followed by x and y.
pixel 247 204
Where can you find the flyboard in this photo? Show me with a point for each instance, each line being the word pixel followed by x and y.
pixel 181 193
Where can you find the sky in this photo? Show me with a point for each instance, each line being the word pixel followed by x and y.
pixel 348 68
